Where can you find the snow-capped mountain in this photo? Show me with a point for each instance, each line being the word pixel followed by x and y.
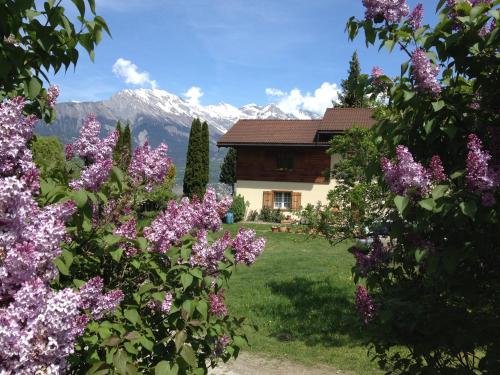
pixel 160 116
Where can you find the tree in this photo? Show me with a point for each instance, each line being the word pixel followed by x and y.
pixel 194 174
pixel 354 88
pixel 205 142
pixel 228 168
pixel 117 149
pixel 38 38
pixel 48 155
pixel 122 152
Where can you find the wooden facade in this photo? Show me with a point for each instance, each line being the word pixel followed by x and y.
pixel 265 163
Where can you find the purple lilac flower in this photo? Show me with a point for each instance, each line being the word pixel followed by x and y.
pixel 166 304
pixel 416 16
pixel 208 256
pixel 246 247
pixel 221 345
pixel 217 304
pixel 424 73
pixel 377 72
pixel 364 304
pixel 98 303
pixel 52 95
pixel 38 329
pixel 69 152
pixel 390 10
pixel 150 166
pixel 488 28
pixel 436 169
pixel 127 230
pixel 406 175
pixel 374 258
pixel 209 212
pixel 93 176
pixel 481 178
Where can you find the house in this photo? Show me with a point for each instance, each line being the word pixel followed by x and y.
pixel 283 164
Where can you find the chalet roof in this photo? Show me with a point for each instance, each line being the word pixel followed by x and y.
pixel 295 132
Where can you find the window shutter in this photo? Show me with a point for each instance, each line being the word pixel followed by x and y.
pixel 296 198
pixel 267 200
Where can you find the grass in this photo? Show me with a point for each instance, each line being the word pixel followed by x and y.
pixel 300 294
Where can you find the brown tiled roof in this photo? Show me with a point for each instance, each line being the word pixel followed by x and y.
pixel 295 132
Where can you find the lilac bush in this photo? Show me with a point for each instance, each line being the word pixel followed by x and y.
pixel 389 10
pixel 149 166
pixel 424 73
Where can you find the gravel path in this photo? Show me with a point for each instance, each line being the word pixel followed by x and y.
pixel 257 364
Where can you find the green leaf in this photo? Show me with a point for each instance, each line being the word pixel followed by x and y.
pixel 187 353
pixel 120 360
pixel 439 191
pixel 419 254
pixel 80 5
pixel 146 343
pixel 166 368
pixel 477 10
pixel 427 204
pixel 401 203
pixel 186 280
pixel 469 208
pixel 196 272
pixel 202 307
pixel 34 87
pixel 408 95
pixel 188 307
pixel 438 105
pixel 80 198
pixel 180 339
pixel 116 254
pixel 132 316
pixel 457 174
pixel 61 266
pixel 142 243
pixel 111 240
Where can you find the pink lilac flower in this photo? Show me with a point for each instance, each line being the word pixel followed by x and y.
pixel 390 10
pixel 377 72
pixel 481 178
pixel 375 257
pixel 69 152
pixel 364 304
pixel 208 256
pixel 107 304
pixel 93 176
pixel 406 175
pixel 246 247
pixel 217 304
pixel 416 16
pixel 52 95
pixel 436 169
pixel 209 212
pixel 424 73
pixel 150 166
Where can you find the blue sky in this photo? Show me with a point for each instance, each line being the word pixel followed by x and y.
pixel 228 50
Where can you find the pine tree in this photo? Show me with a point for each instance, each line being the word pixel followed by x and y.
pixel 193 175
pixel 126 147
pixel 228 169
pixel 354 87
pixel 205 143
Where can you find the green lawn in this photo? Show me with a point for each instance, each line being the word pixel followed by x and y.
pixel 300 294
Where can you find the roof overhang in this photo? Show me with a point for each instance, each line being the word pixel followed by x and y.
pixel 316 144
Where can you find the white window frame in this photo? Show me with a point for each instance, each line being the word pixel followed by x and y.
pixel 282 200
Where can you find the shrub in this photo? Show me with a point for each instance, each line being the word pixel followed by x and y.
pixel 238 208
pixel 252 215
pixel 270 215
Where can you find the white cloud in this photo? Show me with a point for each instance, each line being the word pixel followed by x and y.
pixel 193 95
pixel 294 101
pixel 274 92
pixel 130 73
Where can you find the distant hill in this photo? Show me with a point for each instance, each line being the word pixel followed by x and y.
pixel 160 116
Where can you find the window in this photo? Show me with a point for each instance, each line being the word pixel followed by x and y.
pixel 284 161
pixel 282 200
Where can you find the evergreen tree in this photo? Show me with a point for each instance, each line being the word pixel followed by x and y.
pixel 228 168
pixel 193 175
pixel 354 87
pixel 126 147
pixel 205 143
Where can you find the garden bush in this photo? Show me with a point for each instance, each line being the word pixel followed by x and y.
pixel 433 289
pixel 239 208
pixel 270 215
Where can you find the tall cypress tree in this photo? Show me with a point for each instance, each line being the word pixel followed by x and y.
pixel 117 149
pixel 354 87
pixel 126 147
pixel 193 175
pixel 205 144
